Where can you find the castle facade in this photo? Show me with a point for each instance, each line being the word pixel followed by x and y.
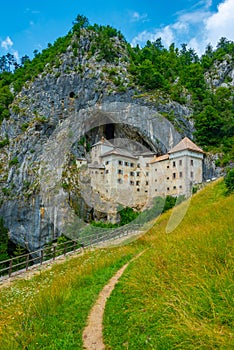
pixel 134 178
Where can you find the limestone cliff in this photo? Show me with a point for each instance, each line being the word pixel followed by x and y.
pixel 81 96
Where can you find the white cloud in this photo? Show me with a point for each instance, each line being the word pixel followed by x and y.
pixel 7 43
pixel 196 27
pixel 136 17
pixel 221 24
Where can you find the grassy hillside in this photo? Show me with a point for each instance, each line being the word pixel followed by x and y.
pixel 178 294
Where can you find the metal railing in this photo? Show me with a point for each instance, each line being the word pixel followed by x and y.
pixel 24 262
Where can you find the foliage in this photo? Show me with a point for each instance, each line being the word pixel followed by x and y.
pixel 3 241
pixel 229 181
pixel 127 215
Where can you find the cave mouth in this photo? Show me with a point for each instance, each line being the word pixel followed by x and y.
pixel 121 135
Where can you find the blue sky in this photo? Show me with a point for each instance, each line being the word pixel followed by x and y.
pixel 26 25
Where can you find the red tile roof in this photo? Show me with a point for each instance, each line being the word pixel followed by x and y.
pixel 184 144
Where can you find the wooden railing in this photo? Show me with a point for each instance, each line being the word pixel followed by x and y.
pixel 24 262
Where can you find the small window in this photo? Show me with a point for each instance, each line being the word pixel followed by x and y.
pixel 132 173
pixel 132 165
pixel 146 191
pixel 131 183
pixel 147 173
pixel 138 165
pixel 107 171
pixel 120 181
pixel 174 187
pixel 147 165
pixel 168 167
pixel 147 183
pixel 181 174
pixel 120 162
pixel 191 162
pixel 191 174
pixel 156 180
pixel 168 188
pixel 107 162
pixel 174 175
pixel 138 190
pixel 120 171
pixel 126 163
pixel 180 162
pixel 156 190
pixel 138 183
pixel 156 169
pixel 180 186
pixel 138 174
pixel 174 163
pixel 168 178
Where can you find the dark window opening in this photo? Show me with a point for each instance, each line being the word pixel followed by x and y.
pixel 72 94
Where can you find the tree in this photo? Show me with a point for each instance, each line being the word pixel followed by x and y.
pixel 79 23
pixel 3 241
pixel 208 126
pixel 229 181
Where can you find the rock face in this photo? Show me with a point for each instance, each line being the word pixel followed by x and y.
pixel 49 118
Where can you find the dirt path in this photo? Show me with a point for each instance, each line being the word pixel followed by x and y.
pixel 92 335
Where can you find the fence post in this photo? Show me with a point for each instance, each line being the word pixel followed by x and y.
pixel 42 254
pixel 65 248
pixel 54 251
pixel 27 259
pixel 10 268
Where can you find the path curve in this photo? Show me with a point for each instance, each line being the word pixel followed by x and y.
pixel 92 335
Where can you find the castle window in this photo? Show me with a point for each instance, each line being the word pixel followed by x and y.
pixel 174 187
pixel 131 183
pixel 147 165
pixel 147 174
pixel 147 183
pixel 156 180
pixel 138 190
pixel 126 163
pixel 191 162
pixel 168 167
pixel 120 181
pixel 146 191
pixel 180 162
pixel 181 174
pixel 174 163
pixel 168 178
pixel 156 190
pixel 120 171
pixel 138 174
pixel 180 186
pixel 132 165
pixel 138 183
pixel 168 188
pixel 107 162
pixel 174 175
pixel 191 174
pixel 120 162
pixel 156 169
pixel 107 171
pixel 138 165
pixel 132 173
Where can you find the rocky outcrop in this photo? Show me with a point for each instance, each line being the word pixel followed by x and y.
pixel 51 115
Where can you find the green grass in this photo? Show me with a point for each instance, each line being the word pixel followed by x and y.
pixel 177 295
pixel 50 310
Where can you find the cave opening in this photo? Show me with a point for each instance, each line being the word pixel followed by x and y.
pixel 109 131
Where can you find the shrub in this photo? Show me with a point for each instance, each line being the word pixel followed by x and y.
pixel 229 181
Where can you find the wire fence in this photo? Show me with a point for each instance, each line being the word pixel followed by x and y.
pixel 24 262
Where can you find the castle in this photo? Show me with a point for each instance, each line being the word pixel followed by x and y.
pixel 134 178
